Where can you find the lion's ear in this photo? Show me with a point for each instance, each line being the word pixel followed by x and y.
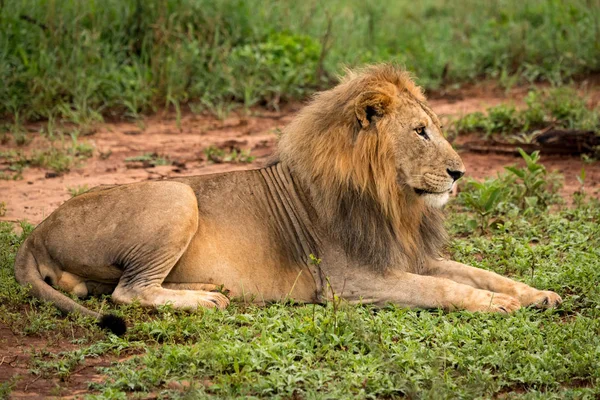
pixel 371 105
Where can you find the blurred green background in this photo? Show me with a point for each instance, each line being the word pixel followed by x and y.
pixel 85 60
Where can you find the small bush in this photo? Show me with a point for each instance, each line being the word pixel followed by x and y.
pixel 281 68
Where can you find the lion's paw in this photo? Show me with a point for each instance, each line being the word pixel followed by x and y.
pixel 219 299
pixel 542 299
pixel 487 301
pixel 214 299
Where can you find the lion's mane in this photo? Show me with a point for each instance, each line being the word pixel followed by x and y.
pixel 351 176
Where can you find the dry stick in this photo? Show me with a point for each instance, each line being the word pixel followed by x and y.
pixel 80 369
pixel 32 382
pixel 9 363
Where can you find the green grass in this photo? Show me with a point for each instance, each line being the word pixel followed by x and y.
pixel 559 108
pixel 341 351
pixel 81 61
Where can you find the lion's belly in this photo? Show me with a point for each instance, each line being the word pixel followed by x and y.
pixel 245 260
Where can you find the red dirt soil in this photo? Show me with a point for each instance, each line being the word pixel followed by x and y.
pixel 36 196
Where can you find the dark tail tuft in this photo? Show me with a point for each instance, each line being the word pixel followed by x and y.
pixel 113 323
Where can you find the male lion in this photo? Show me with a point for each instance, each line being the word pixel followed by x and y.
pixel 359 179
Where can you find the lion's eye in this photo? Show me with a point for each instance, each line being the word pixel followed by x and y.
pixel 421 132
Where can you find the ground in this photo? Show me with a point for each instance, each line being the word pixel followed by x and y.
pixel 183 142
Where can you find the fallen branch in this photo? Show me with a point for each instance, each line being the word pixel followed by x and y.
pixel 553 141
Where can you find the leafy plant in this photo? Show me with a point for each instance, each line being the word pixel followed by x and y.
pixel 579 195
pixel 530 189
pixel 483 198
pixel 534 187
pixel 281 67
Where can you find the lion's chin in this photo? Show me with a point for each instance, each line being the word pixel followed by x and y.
pixel 436 200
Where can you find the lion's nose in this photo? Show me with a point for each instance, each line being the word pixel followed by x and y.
pixel 456 175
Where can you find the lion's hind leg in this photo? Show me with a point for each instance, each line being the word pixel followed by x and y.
pixel 143 278
pixel 162 219
pixel 146 265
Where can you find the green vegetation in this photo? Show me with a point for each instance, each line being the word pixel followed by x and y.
pixel 77 190
pixel 81 60
pixel 217 155
pixel 341 351
pixel 59 156
pixel 558 108
pixel 528 190
pixel 149 160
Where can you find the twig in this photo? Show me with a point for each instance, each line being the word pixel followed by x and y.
pixel 32 382
pixel 9 363
pixel 80 369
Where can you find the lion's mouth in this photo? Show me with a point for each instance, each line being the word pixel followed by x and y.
pixel 422 192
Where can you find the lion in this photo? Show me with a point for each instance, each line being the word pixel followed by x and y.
pixel 351 204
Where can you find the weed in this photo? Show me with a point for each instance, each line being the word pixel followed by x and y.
pixel 217 155
pixel 579 195
pixel 271 68
pixel 483 198
pixel 77 190
pixel 534 188
pixel 19 132
pixel 149 160
pixel 15 164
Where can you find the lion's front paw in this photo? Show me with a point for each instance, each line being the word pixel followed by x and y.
pixel 216 299
pixel 486 301
pixel 541 299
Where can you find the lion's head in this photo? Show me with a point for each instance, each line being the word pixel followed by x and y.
pixel 375 159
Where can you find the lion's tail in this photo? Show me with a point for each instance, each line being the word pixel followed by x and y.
pixel 27 273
